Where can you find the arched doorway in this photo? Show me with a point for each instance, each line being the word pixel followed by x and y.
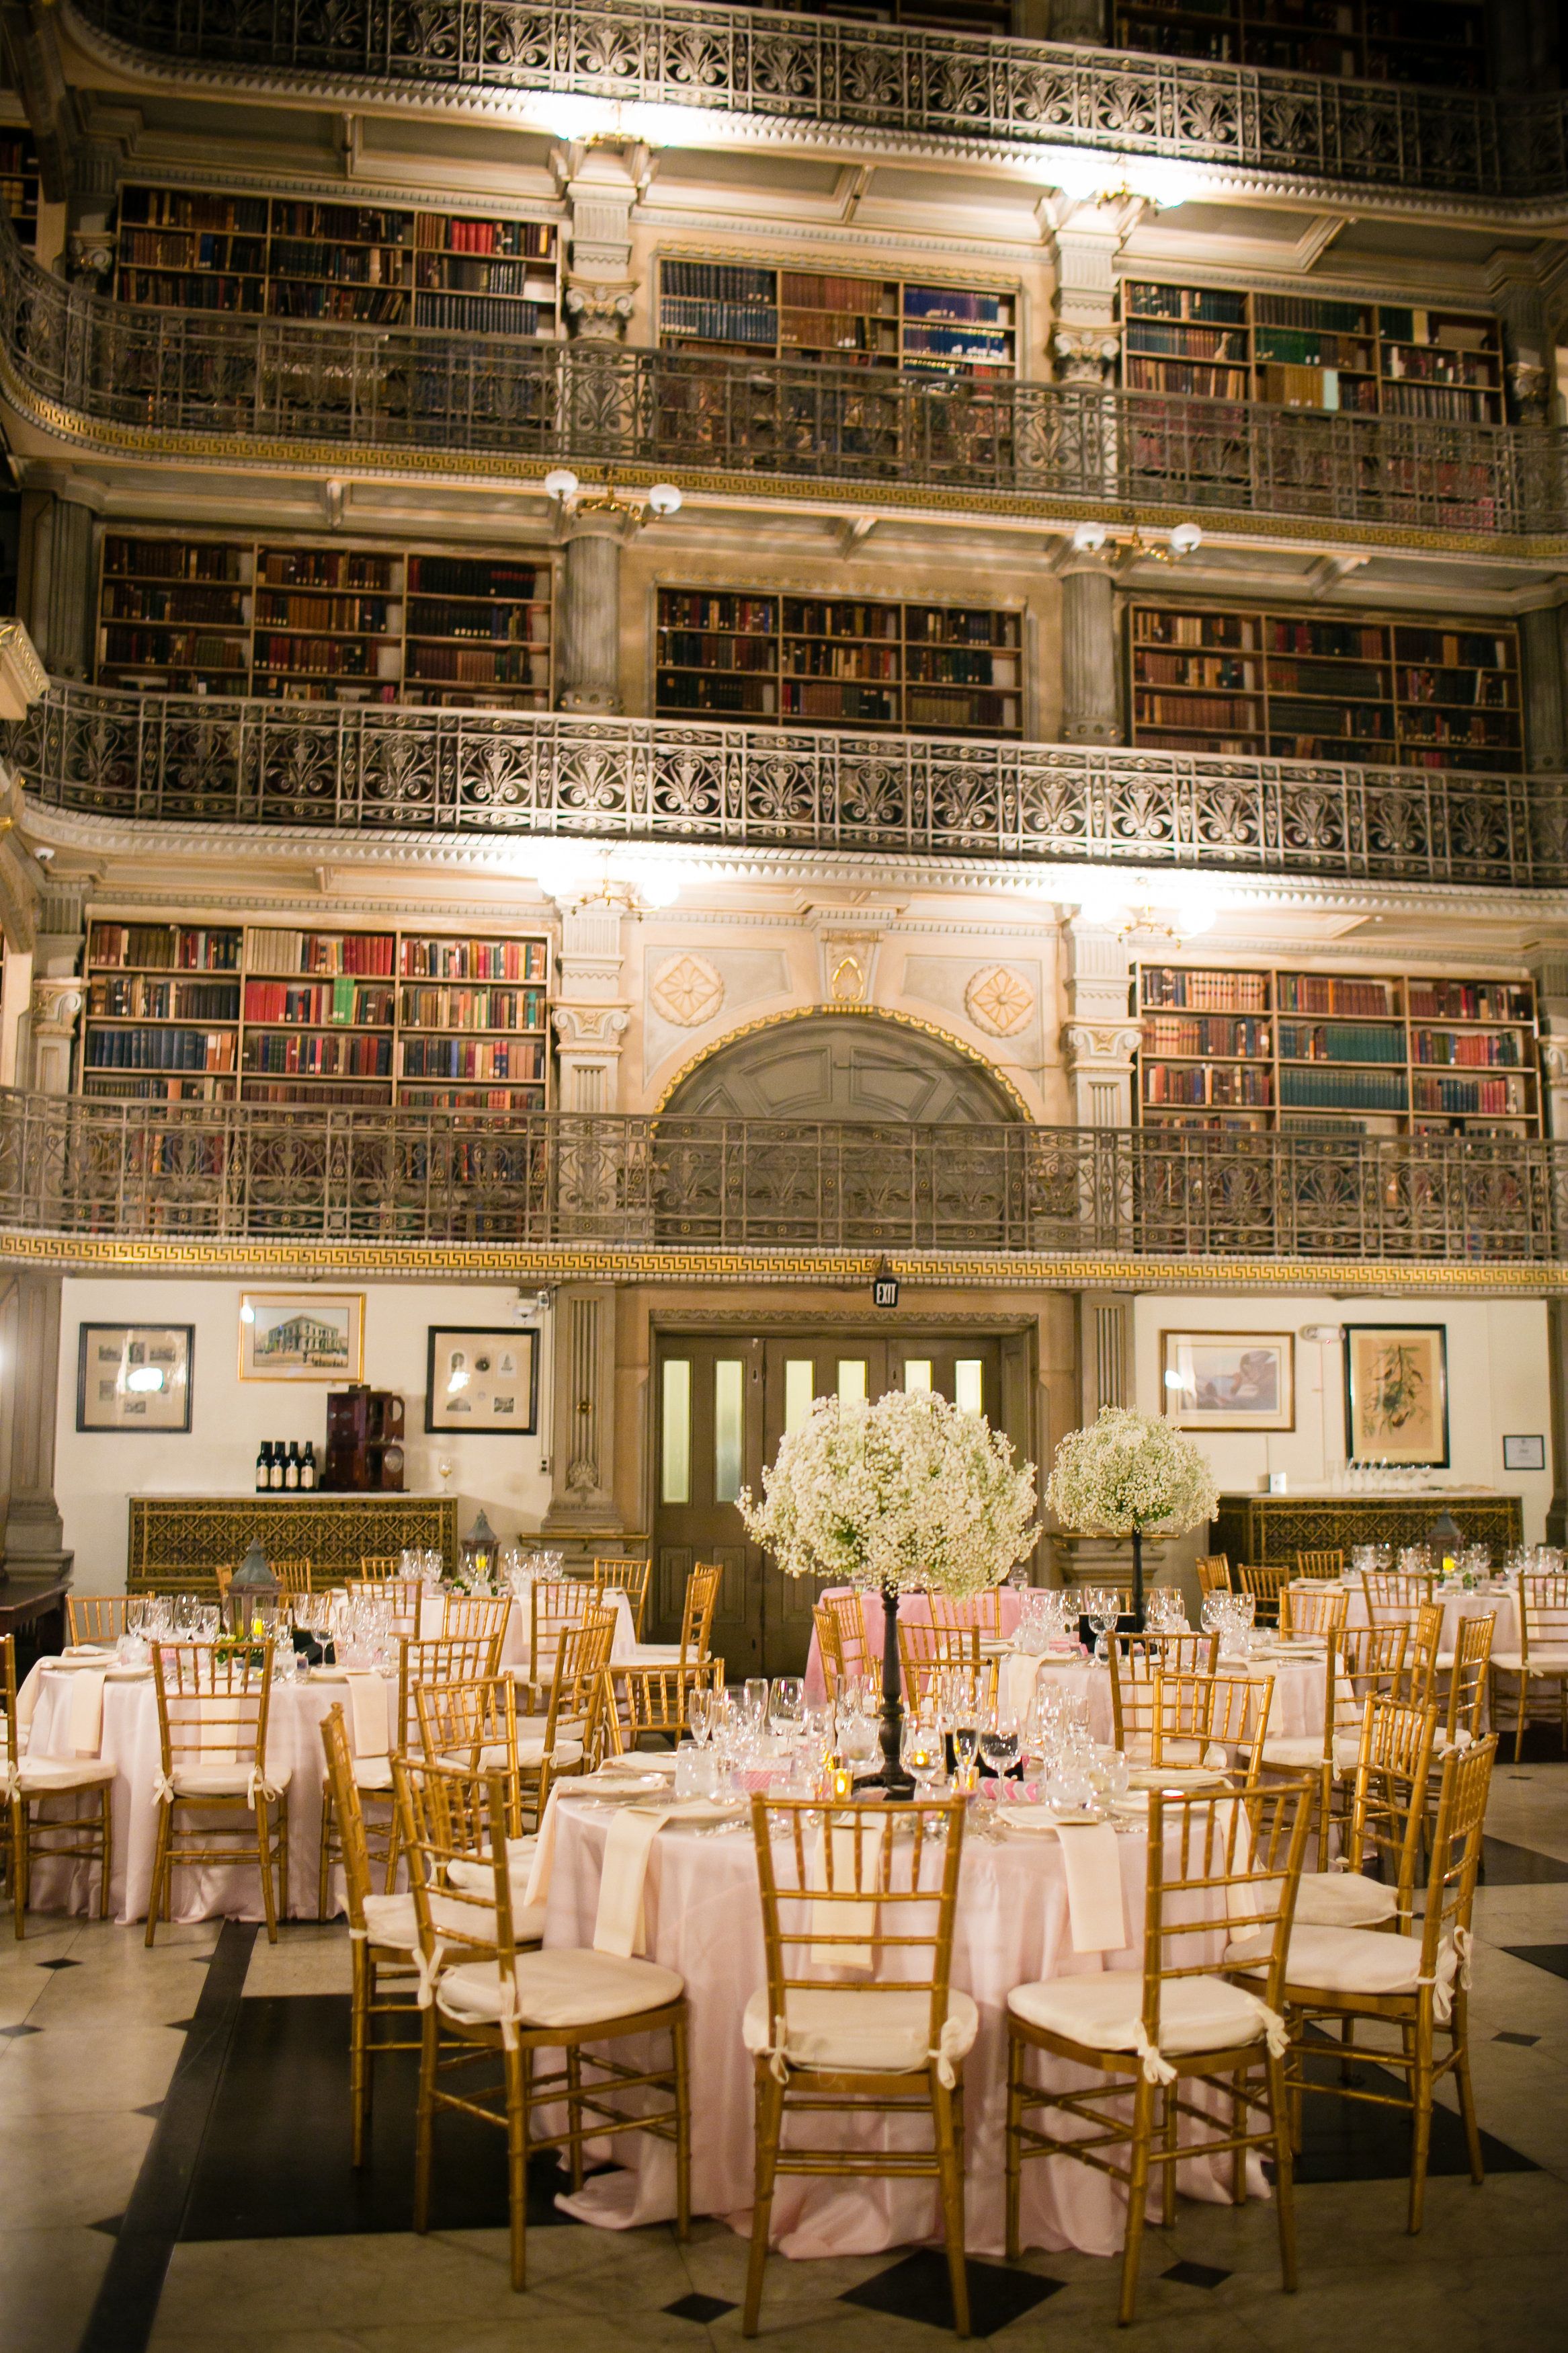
pixel 827 1066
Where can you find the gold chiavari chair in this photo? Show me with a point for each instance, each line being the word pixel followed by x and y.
pixel 206 1584
pixel 476 1725
pixel 1266 1583
pixel 892 2041
pixel 569 1738
pixel 1200 1719
pixel 383 1936
pixel 1540 1662
pixel 1213 1572
pixel 481 1614
pixel 1423 1641
pixel 983 1611
pixel 1176 2023
pixel 554 1604
pixel 1310 1615
pixel 651 1692
pixel 1387 1818
pixel 1321 1564
pixel 1417 1984
pixel 1392 1596
pixel 85 1835
pixel 404 1596
pixel 628 1576
pixel 1135 1660
pixel 847 1612
pixel 1465 1668
pixel 487 1997
pixel 1365 1662
pixel 96 1617
pixel 377 1568
pixel 213 1700
pixel 829 1649
pixel 293 1577
pixel 927 1654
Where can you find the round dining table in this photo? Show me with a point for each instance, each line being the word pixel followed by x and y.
pixel 702 1916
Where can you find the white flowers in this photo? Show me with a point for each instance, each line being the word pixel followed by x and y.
pixel 1129 1473
pixel 909 1495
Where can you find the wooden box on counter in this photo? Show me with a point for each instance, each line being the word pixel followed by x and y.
pixel 365 1441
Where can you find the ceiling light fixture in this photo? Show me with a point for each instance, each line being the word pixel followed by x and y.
pixel 1184 539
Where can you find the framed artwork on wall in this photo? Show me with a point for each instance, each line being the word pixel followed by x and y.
pixel 1228 1380
pixel 1524 1453
pixel 134 1376
pixel 1396 1394
pixel 302 1336
pixel 481 1383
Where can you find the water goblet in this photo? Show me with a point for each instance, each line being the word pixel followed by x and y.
pixel 754 1701
pixel 786 1706
pixel 700 1715
pixel 923 1755
pixel 1000 1741
pixel 1102 1608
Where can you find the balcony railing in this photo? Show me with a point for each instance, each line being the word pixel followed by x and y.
pixel 375 767
pixel 895 83
pixel 142 1171
pixel 195 386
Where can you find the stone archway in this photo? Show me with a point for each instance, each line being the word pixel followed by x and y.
pixel 835 1067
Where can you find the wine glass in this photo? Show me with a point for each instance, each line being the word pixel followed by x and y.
pixel 755 1701
pixel 1102 1608
pixel 699 1716
pixel 964 1726
pixel 922 1753
pixel 1000 1741
pixel 786 1706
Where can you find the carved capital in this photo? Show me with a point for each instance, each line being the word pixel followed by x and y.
pixel 598 313
pixel 57 1006
pixel 1101 1045
pixel 1527 388
pixel 89 258
pixel 1554 1061
pixel 1084 354
pixel 596 1030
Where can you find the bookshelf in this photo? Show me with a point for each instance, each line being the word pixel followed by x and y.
pixel 1294 685
pixel 19 185
pixel 1444 43
pixel 268 1014
pixel 295 257
pixel 733 311
pixel 829 661
pixel 1301 352
pixel 333 623
pixel 1336 1053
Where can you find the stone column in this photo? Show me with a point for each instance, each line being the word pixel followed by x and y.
pixel 1541 649
pixel 56 588
pixel 601 191
pixel 590 1015
pixel 589 621
pixel 33 1526
pixel 1557 1363
pixel 1091 702
pixel 1101 1036
pixel 1552 1006
pixel 1081 22
pixel 582 1443
pixel 56 1009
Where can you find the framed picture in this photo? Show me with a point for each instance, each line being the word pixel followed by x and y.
pixel 1229 1380
pixel 1396 1393
pixel 1524 1453
pixel 134 1376
pixel 302 1336
pixel 481 1383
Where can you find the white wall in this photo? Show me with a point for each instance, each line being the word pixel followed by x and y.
pixel 1498 1384
pixel 95 1472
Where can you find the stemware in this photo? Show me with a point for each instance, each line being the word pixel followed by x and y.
pixel 754 1702
pixel 700 1715
pixel 922 1753
pixel 786 1705
pixel 1000 1741
pixel 1102 1608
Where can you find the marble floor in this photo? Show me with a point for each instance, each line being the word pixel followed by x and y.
pixel 173 2175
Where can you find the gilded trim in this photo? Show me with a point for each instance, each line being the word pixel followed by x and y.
pixel 839 1012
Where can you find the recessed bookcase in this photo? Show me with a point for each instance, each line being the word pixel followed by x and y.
pixel 434 1020
pixel 831 661
pixel 1320 1053
pixel 1444 42
pixel 734 310
pixel 1295 685
pixel 1303 352
pixel 19 185
pixel 331 623
pixel 299 258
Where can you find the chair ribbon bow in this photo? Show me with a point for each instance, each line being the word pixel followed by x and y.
pixel 1457 1745
pixel 1453 1965
pixel 428 1971
pixel 1157 2068
pixel 259 1790
pixel 163 1790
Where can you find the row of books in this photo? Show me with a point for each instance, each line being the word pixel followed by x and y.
pixel 140 999
pixel 1373 721
pixel 1195 711
pixel 323 567
pixel 1454 649
pixel 368 953
pixel 172 559
pixel 262 1090
pixel 439 274
pixel 472 1009
pixel 472 1058
pixel 474 575
pixel 1316 992
pixel 718 322
pixel 700 691
pixel 160 1050
pixel 473 959
pixel 1436 400
pixel 1340 1041
pixel 377 308
pixel 1237 630
pixel 684 609
pixel 1480 1049
pixel 1307 347
pixel 953 302
pixel 958 669
pixel 1495 688
pixel 301 611
pixel 481 314
pixel 162 648
pixel 1469 1001
pixel 509 623
pixel 473 1099
pixel 163 291
pixel 1218 1082
pixel 179 208
pixel 337 1056
pixel 534 240
pixel 164 947
pixel 1341 1090
pixel 351 224
pixel 182 249
pixel 1166 1033
pixel 339 999
pixel 1187 343
pixel 1206 992
pixel 134 601
pixel 1459 1096
pixel 958 343
pixel 998 713
pixel 1185 669
pixel 689 650
pixel 1185 376
pixel 507 666
pixel 1369 681
pixel 329 656
pixel 825 660
pixel 873 706
pixel 1208 304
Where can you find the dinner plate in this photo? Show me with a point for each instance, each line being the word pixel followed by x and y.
pixel 1178 1777
pixel 613 1784
pixel 99 1665
pixel 706 1810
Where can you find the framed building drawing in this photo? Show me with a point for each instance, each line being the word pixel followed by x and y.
pixel 134 1376
pixel 302 1336
pixel 1396 1394
pixel 1228 1380
pixel 480 1382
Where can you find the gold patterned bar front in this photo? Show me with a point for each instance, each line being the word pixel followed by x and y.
pixel 171 1533
pixel 1265 1530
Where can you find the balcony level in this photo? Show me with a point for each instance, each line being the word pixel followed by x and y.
pixel 646 69
pixel 99 376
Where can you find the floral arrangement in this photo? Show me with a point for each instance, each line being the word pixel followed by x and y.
pixel 1127 1474
pixel 909 1495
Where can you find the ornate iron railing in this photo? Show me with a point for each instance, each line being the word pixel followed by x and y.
pixel 237 1172
pixel 189 759
pixel 274 390
pixel 894 83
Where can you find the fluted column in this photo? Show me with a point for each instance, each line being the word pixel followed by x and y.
pixel 1091 702
pixel 583 1449
pixel 31 1322
pixel 589 621
pixel 1541 654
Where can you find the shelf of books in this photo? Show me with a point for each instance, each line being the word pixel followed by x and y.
pixel 1374 690
pixel 1444 43
pixel 733 309
pixel 338 623
pixel 19 185
pixel 1336 1053
pixel 296 257
pixel 265 1014
pixel 1300 352
pixel 827 661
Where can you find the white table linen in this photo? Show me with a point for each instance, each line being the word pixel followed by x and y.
pixel 1455 1606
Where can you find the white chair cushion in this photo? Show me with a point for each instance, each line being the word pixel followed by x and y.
pixel 570 1987
pixel 476 1878
pixel 1305 1753
pixel 566 1752
pixel 373 1773
pixel 223 1781
pixel 1106 2011
pixel 390 1920
pixel 847 2033
pixel 1343 1899
pixel 37 1775
pixel 1343 1960
pixel 1543 1661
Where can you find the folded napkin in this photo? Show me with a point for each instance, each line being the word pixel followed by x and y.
pixel 27 1698
pixel 84 1726
pixel 432 1616
pixel 618 1928
pixel 830 1918
pixel 1094 1888
pixel 545 1853
pixel 1020 1673
pixel 369 1716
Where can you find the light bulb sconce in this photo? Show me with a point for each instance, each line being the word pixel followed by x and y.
pixel 563 487
pixel 1185 540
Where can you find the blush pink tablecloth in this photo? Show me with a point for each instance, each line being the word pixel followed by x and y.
pixel 914 1610
pixel 703 1918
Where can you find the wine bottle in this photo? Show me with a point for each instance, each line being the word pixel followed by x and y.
pixel 291 1467
pixel 276 1481
pixel 307 1468
pixel 264 1466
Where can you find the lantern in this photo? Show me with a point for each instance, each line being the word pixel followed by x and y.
pixel 481 1552
pixel 1444 1539
pixel 253 1591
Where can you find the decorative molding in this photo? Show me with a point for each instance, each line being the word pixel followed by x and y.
pixel 999 1001
pixel 872 1012
pixel 1100 1045
pixel 686 991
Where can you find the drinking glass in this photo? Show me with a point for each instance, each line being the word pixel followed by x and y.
pixel 923 1753
pixel 1000 1741
pixel 786 1705
pixel 1102 1608
pixel 859 1740
pixel 755 1701
pixel 699 1717
pixel 964 1725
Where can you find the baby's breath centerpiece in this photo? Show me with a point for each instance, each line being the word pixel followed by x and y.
pixel 905 1495
pixel 1128 1473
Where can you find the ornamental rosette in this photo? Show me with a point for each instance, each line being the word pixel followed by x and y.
pixel 1127 1474
pixel 908 1495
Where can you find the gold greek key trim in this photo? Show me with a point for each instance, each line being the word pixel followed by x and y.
pixel 839 1013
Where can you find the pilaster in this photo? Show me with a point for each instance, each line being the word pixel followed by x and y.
pixel 1099 1035
pixel 1091 700
pixel 590 614
pixel 602 190
pixel 583 1452
pixel 56 588
pixel 1541 654
pixel 1551 1008
pixel 33 1528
